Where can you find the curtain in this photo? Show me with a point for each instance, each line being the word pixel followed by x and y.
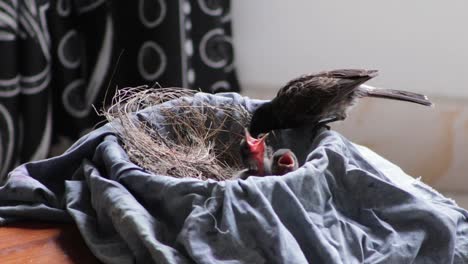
pixel 60 60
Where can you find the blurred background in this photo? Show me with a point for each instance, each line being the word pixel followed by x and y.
pixel 60 58
pixel 416 45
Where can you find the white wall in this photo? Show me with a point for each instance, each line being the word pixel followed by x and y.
pixel 419 45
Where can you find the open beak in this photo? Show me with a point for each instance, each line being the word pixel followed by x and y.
pixel 257 151
pixel 286 161
pixel 263 137
pixel 250 140
pixel 255 144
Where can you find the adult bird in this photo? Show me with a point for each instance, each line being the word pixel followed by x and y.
pixel 322 98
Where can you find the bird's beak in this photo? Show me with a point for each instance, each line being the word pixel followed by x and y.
pixel 248 137
pixel 286 160
pixel 255 144
pixel 257 150
pixel 263 136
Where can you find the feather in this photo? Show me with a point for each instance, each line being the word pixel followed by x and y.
pixel 370 91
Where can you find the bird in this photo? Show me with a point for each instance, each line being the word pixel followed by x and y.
pixel 254 156
pixel 283 161
pixel 322 98
pixel 258 159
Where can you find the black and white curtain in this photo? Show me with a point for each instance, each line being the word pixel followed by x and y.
pixel 58 58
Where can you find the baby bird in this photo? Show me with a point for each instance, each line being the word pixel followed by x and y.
pixel 258 161
pixel 254 156
pixel 283 161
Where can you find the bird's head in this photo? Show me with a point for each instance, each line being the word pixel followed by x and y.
pixel 253 152
pixel 284 161
pixel 262 120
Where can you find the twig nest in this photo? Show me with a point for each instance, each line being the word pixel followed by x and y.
pixel 166 132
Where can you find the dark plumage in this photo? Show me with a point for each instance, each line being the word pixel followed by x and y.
pixel 321 98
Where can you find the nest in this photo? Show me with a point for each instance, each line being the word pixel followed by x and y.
pixel 195 140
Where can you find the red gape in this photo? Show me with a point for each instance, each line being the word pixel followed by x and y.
pixel 257 148
pixel 283 161
pixel 286 160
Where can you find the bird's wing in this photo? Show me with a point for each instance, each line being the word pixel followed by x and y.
pixel 313 85
pixel 311 97
pixel 351 73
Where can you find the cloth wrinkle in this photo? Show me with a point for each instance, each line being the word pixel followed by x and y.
pixel 345 204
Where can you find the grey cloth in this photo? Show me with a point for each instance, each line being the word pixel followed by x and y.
pixel 345 204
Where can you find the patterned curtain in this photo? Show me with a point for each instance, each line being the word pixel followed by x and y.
pixel 60 58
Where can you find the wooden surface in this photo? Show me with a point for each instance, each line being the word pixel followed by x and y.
pixel 43 243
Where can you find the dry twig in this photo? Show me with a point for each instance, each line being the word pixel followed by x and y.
pixel 196 140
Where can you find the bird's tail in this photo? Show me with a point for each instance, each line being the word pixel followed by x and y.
pixel 395 95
